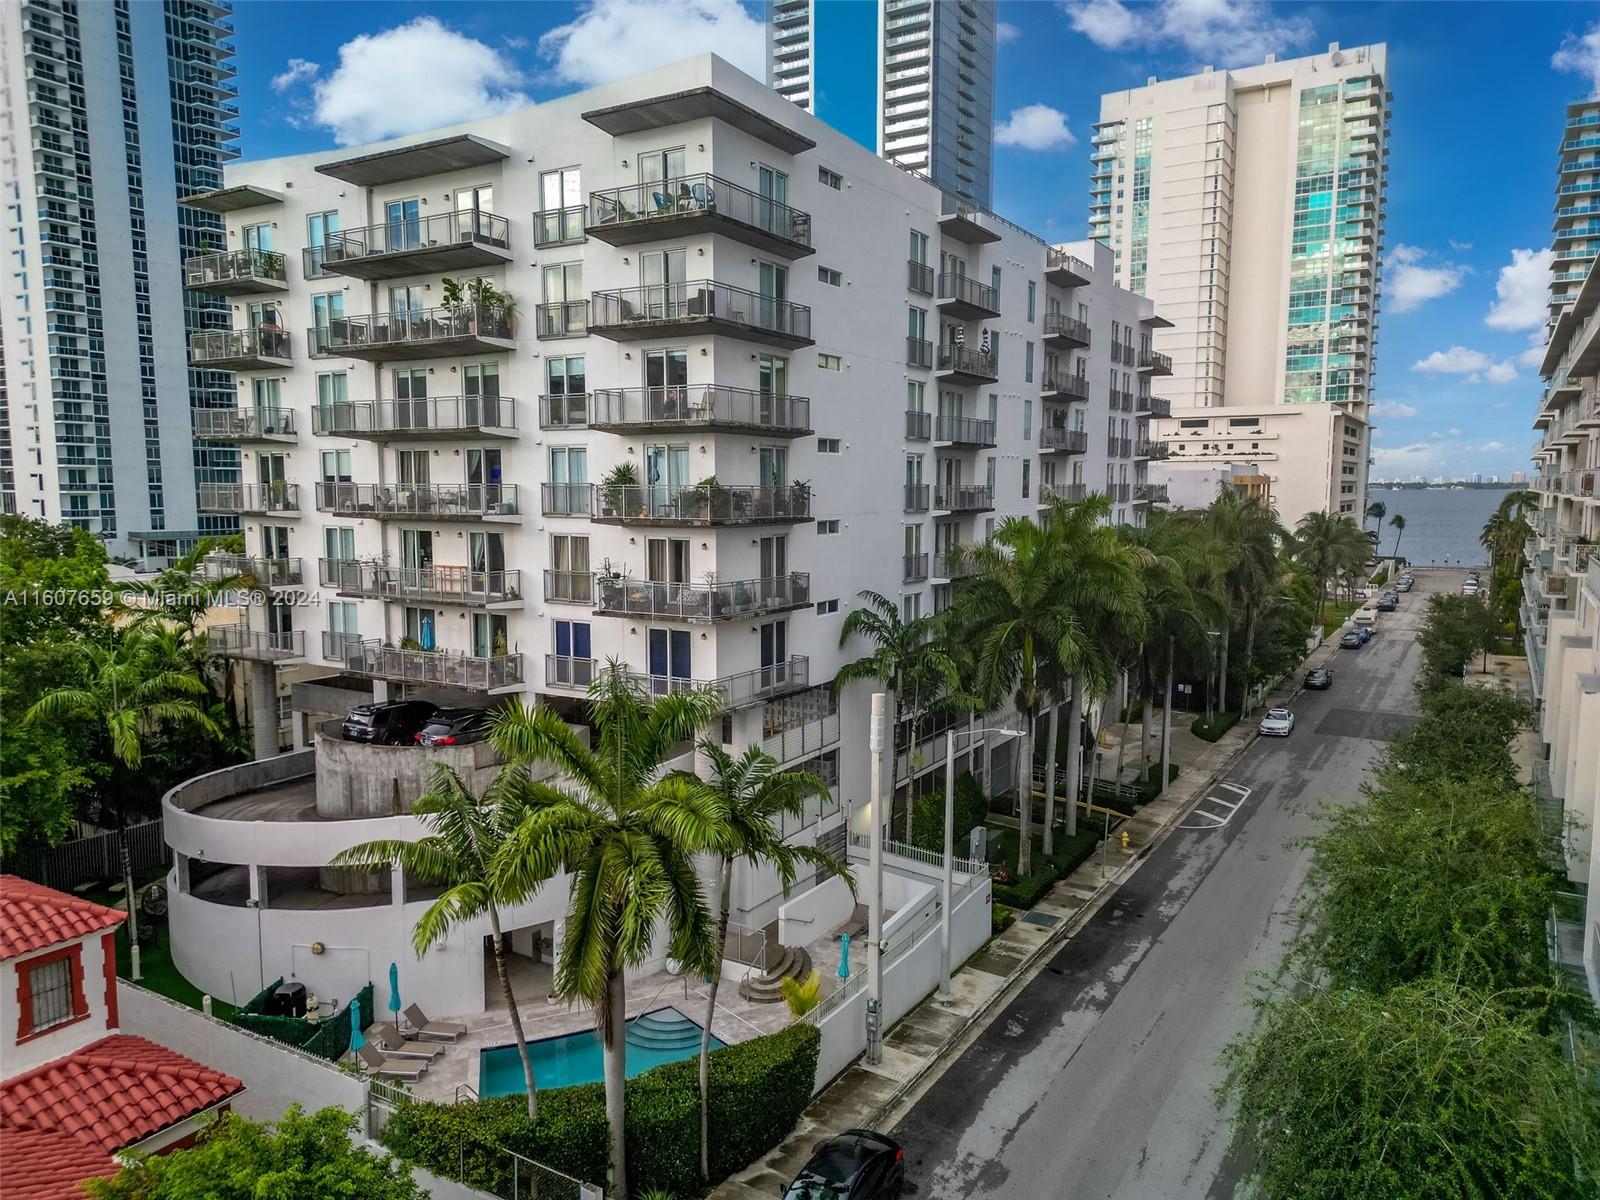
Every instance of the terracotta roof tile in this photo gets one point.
(107, 1096)
(34, 917)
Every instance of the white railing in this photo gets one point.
(931, 858)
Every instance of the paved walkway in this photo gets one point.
(924, 1041)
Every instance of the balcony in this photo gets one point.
(250, 499)
(1063, 493)
(559, 226)
(565, 499)
(565, 671)
(432, 418)
(1153, 406)
(240, 349)
(1153, 362)
(1150, 493)
(963, 497)
(245, 571)
(1061, 385)
(703, 306)
(695, 205)
(919, 278)
(919, 353)
(569, 587)
(967, 299)
(438, 668)
(705, 406)
(1064, 332)
(740, 690)
(919, 427)
(433, 584)
(448, 241)
(964, 431)
(569, 318)
(700, 504)
(964, 223)
(426, 333)
(914, 567)
(917, 497)
(1055, 440)
(236, 273)
(621, 596)
(1145, 448)
(564, 410)
(495, 502)
(959, 365)
(254, 645)
(1121, 401)
(244, 424)
(1064, 271)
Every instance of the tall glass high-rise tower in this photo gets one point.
(112, 112)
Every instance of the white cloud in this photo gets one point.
(1492, 448)
(1460, 247)
(1580, 54)
(416, 76)
(1534, 354)
(1005, 31)
(1521, 291)
(1418, 457)
(1394, 409)
(1411, 284)
(612, 39)
(1226, 33)
(298, 71)
(1034, 127)
(1477, 366)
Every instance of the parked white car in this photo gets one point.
(1279, 722)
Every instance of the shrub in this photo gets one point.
(328, 1039)
(1025, 891)
(1000, 918)
(1210, 731)
(759, 1089)
(927, 822)
(1149, 784)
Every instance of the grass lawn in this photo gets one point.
(1024, 892)
(1335, 613)
(161, 975)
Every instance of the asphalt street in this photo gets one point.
(1097, 1080)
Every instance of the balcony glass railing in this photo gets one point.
(700, 404)
(439, 230)
(231, 345)
(431, 414)
(565, 499)
(569, 587)
(919, 352)
(243, 424)
(441, 668)
(447, 584)
(231, 267)
(558, 227)
(914, 567)
(701, 504)
(919, 426)
(569, 318)
(419, 327)
(565, 671)
(696, 195)
(250, 497)
(699, 300)
(240, 641)
(438, 500)
(739, 690)
(918, 497)
(247, 570)
(919, 278)
(964, 361)
(564, 410)
(624, 596)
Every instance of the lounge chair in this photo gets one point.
(438, 1031)
(392, 1068)
(391, 1041)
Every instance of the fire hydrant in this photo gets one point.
(1125, 839)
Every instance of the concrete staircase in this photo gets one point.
(783, 962)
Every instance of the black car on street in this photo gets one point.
(858, 1164)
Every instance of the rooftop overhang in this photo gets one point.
(417, 160)
(1153, 321)
(678, 108)
(232, 199)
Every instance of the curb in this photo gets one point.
(1054, 941)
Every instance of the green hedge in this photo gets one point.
(1024, 892)
(1210, 731)
(759, 1089)
(328, 1038)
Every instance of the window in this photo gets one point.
(825, 528)
(827, 607)
(994, 280)
(830, 178)
(911, 607)
(830, 362)
(1027, 362)
(827, 445)
(1033, 297)
(919, 248)
(53, 989)
(1027, 471)
(1027, 420)
(829, 276)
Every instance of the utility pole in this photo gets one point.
(875, 740)
(949, 859)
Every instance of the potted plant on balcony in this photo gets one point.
(702, 500)
(798, 497)
(613, 488)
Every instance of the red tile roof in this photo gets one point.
(34, 917)
(109, 1095)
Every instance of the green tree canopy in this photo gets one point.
(298, 1157)
(1457, 627)
(53, 582)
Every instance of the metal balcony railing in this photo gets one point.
(442, 584)
(1072, 441)
(218, 347)
(236, 271)
(1069, 493)
(564, 410)
(628, 311)
(240, 641)
(963, 431)
(565, 671)
(247, 570)
(919, 426)
(1151, 449)
(1154, 360)
(442, 668)
(559, 226)
(244, 424)
(739, 690)
(1060, 325)
(628, 597)
(1155, 406)
(1058, 385)
(565, 499)
(968, 293)
(919, 278)
(700, 405)
(919, 352)
(569, 587)
(454, 228)
(437, 500)
(248, 498)
(1066, 268)
(568, 318)
(418, 328)
(672, 201)
(431, 414)
(963, 497)
(913, 567)
(335, 643)
(700, 504)
(964, 361)
(1151, 493)
(916, 498)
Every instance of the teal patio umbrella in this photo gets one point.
(394, 991)
(357, 1041)
(844, 956)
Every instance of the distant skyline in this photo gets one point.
(1480, 90)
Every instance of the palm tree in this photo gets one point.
(130, 691)
(1247, 533)
(1519, 502)
(627, 837)
(908, 658)
(463, 832)
(752, 796)
(1398, 524)
(1377, 510)
(1328, 545)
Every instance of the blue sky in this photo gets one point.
(1479, 88)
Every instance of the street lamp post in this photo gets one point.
(950, 838)
(875, 740)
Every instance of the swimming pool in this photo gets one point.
(662, 1035)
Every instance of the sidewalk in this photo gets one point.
(923, 1043)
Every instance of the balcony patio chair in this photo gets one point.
(394, 1044)
(663, 202)
(704, 197)
(390, 1068)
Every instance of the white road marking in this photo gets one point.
(1216, 810)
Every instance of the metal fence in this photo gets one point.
(92, 859)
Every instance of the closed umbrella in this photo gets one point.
(356, 1040)
(844, 956)
(394, 991)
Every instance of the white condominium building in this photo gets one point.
(1248, 204)
(109, 113)
(936, 64)
(1561, 591)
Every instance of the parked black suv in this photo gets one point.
(455, 727)
(392, 723)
